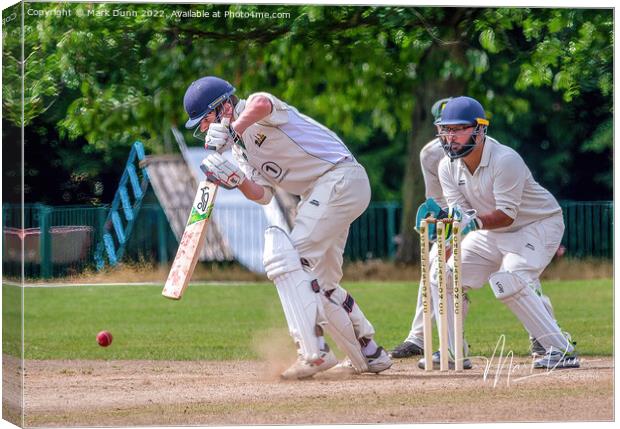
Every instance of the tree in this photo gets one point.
(370, 73)
(500, 56)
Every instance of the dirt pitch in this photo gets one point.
(126, 393)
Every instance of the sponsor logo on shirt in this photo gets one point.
(315, 203)
(461, 182)
(260, 138)
(530, 246)
(500, 287)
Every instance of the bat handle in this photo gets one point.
(226, 123)
(236, 137)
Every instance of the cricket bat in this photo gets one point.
(192, 241)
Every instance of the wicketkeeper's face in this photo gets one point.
(456, 135)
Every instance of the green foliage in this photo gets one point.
(488, 41)
(225, 322)
(602, 139)
(569, 50)
(95, 85)
(11, 65)
(601, 142)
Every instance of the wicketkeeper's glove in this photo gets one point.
(430, 208)
(467, 218)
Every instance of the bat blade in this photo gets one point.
(192, 241)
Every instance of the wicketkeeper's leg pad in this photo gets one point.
(299, 294)
(545, 299)
(530, 309)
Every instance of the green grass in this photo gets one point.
(221, 322)
(11, 320)
(583, 308)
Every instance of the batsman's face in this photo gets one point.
(207, 120)
(211, 117)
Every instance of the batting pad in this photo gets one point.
(302, 305)
(340, 328)
(530, 310)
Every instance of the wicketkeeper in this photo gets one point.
(276, 145)
(430, 156)
(516, 226)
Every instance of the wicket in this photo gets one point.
(442, 294)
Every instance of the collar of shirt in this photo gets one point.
(489, 145)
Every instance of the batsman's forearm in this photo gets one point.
(258, 107)
(495, 219)
(255, 192)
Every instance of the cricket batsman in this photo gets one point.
(516, 226)
(273, 145)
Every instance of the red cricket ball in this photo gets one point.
(104, 338)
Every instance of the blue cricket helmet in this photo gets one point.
(462, 111)
(203, 96)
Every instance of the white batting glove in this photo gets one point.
(221, 171)
(218, 138)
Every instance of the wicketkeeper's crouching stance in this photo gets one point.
(275, 145)
(516, 227)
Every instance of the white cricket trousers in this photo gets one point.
(525, 252)
(321, 229)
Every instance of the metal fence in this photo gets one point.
(60, 241)
(589, 229)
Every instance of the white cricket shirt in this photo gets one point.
(287, 148)
(502, 181)
(430, 156)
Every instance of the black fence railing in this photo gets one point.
(589, 228)
(60, 241)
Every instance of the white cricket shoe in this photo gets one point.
(557, 359)
(378, 362)
(304, 369)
